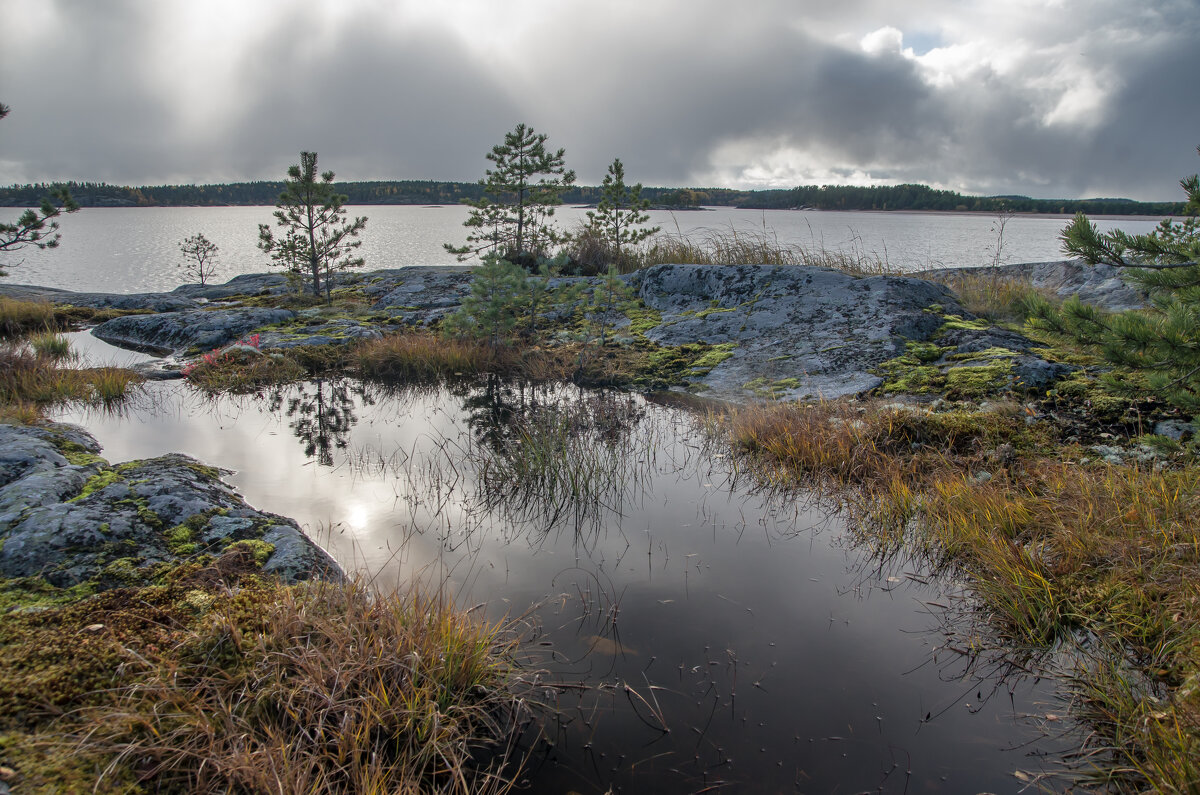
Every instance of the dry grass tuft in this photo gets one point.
(994, 296)
(422, 356)
(19, 318)
(320, 688)
(753, 247)
(239, 371)
(29, 379)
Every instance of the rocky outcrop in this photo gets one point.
(783, 331)
(798, 332)
(68, 516)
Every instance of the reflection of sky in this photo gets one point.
(739, 607)
(94, 352)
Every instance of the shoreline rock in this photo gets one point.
(70, 517)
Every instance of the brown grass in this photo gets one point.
(18, 318)
(753, 247)
(211, 677)
(240, 371)
(992, 295)
(29, 379)
(325, 688)
(422, 356)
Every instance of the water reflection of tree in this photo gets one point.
(544, 454)
(494, 407)
(322, 413)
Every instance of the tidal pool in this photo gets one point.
(726, 638)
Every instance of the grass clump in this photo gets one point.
(242, 371)
(20, 318)
(751, 247)
(29, 381)
(422, 357)
(998, 297)
(217, 678)
(325, 688)
(51, 346)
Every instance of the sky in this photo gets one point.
(1046, 98)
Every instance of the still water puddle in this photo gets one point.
(764, 653)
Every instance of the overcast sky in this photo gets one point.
(1049, 98)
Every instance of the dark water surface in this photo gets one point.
(779, 658)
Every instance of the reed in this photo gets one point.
(578, 458)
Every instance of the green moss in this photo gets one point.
(260, 550)
(984, 355)
(98, 482)
(957, 322)
(978, 381)
(712, 310)
(717, 354)
(912, 371)
(667, 366)
(123, 572)
(924, 352)
(772, 390)
(179, 537)
(35, 592)
(642, 319)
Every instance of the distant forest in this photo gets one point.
(424, 192)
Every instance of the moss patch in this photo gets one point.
(98, 482)
(976, 381)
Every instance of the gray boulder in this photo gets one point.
(176, 331)
(89, 521)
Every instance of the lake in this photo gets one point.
(126, 250)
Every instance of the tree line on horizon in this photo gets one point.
(434, 192)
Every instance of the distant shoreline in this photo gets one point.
(423, 193)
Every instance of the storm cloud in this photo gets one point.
(1066, 98)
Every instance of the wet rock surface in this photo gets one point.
(70, 517)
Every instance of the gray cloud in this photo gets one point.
(1082, 98)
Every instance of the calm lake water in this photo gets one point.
(780, 658)
(127, 250)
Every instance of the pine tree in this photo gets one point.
(1161, 342)
(317, 237)
(513, 218)
(619, 214)
(35, 227)
(199, 256)
(493, 306)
